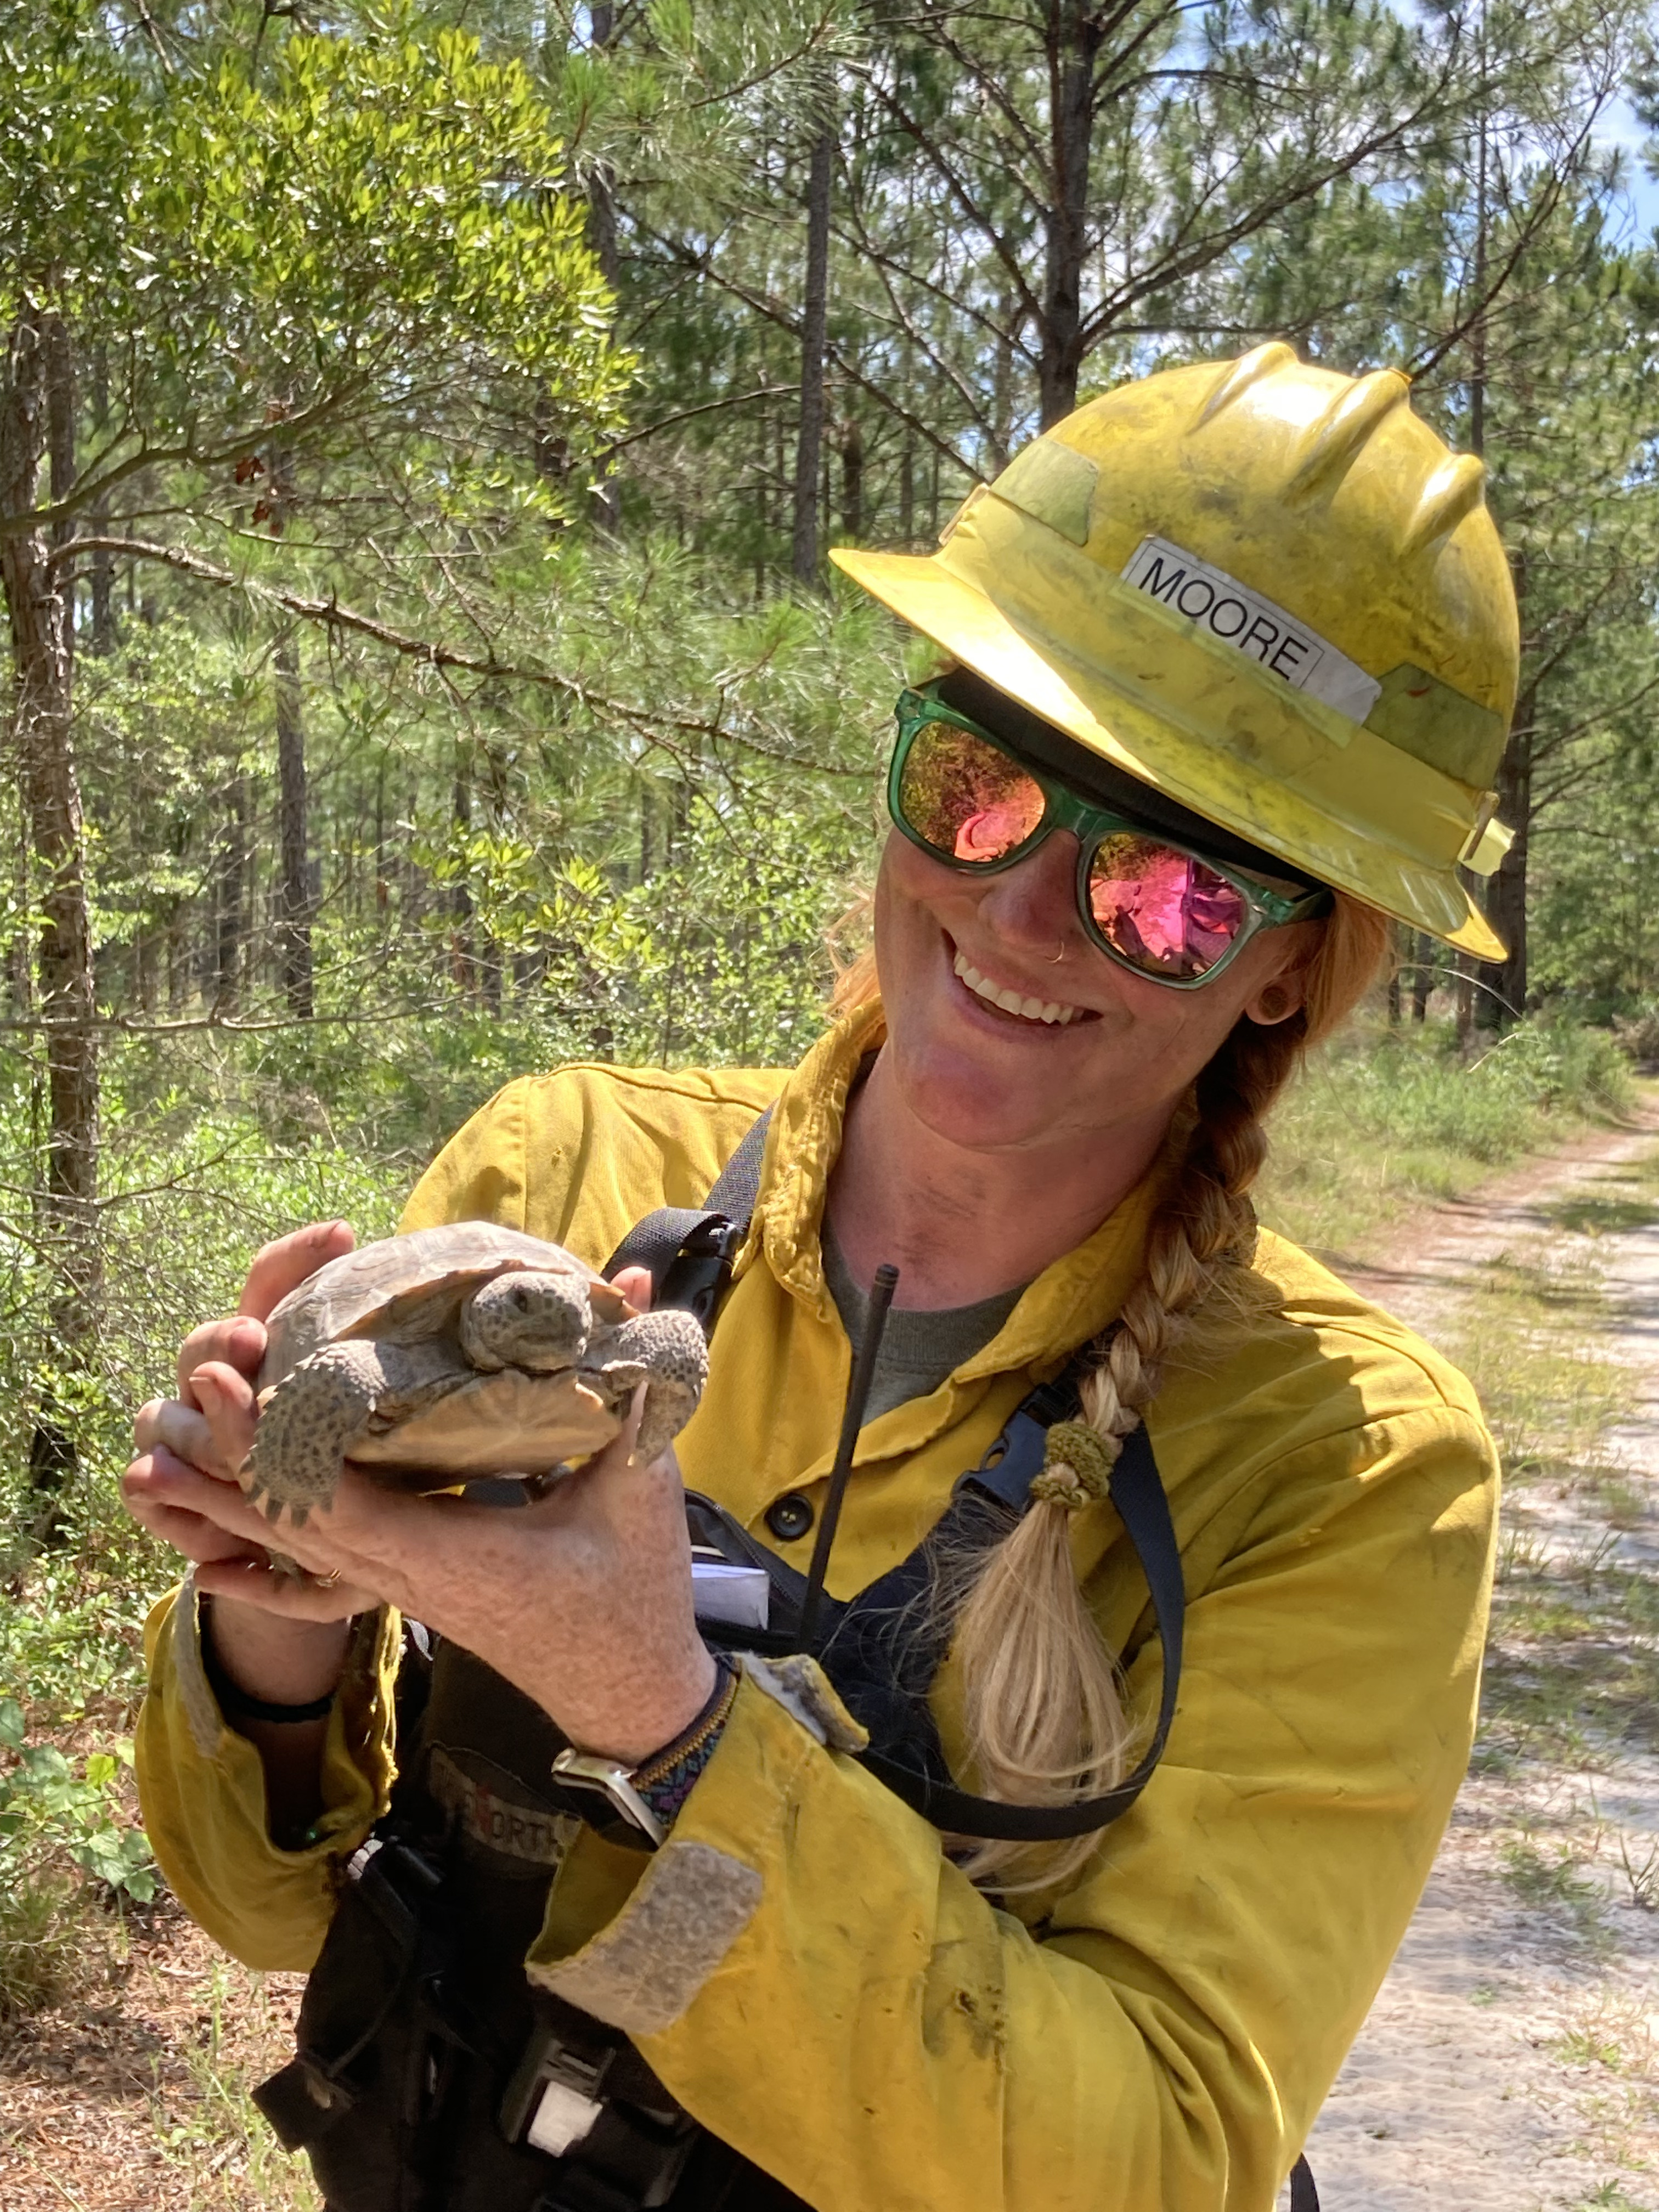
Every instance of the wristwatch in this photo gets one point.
(589, 1770)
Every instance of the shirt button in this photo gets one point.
(790, 1517)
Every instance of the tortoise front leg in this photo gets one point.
(668, 1352)
(308, 1425)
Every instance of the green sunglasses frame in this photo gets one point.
(1092, 826)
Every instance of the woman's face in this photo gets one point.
(993, 1081)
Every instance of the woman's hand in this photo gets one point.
(277, 1639)
(212, 1423)
(583, 1600)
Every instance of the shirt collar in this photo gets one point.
(1072, 1301)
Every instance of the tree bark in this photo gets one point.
(103, 564)
(294, 903)
(815, 311)
(602, 237)
(37, 420)
(1423, 974)
(464, 962)
(231, 900)
(851, 479)
(1072, 36)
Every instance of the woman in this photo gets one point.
(1231, 656)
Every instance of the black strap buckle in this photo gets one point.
(583, 2096)
(699, 1276)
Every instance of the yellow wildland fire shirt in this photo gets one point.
(801, 1964)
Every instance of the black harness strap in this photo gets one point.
(690, 1249)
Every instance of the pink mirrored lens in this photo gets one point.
(1165, 912)
(965, 798)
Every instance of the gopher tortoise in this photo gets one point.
(454, 1353)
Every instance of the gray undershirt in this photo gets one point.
(918, 1349)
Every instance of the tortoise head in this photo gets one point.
(526, 1318)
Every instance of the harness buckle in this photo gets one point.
(699, 1276)
(557, 2094)
(563, 2118)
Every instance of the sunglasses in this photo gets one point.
(1157, 907)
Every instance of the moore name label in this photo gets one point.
(1243, 619)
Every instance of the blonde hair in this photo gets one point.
(1044, 1717)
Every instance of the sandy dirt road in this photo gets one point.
(1511, 2061)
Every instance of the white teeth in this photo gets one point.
(1030, 1010)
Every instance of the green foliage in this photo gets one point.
(46, 1801)
(1388, 1117)
(56, 1814)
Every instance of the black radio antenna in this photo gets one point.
(852, 1420)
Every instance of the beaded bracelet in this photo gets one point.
(665, 1780)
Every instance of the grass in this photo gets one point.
(1390, 1119)
(215, 2132)
(48, 1933)
(1554, 1878)
(1572, 1673)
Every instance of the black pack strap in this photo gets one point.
(690, 1249)
(1304, 2198)
(1138, 1494)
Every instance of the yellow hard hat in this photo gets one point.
(1271, 592)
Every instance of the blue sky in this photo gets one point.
(1642, 193)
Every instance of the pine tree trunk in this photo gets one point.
(464, 962)
(231, 889)
(103, 564)
(852, 480)
(1073, 37)
(1423, 975)
(602, 237)
(294, 904)
(37, 419)
(814, 308)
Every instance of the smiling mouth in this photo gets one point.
(1050, 1011)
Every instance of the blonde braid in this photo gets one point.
(1044, 1718)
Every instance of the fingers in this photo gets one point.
(156, 1503)
(283, 1265)
(257, 1583)
(160, 1477)
(180, 1430)
(229, 1415)
(211, 1426)
(238, 1344)
(634, 1284)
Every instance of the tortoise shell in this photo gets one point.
(408, 1289)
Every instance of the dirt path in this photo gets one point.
(1511, 2061)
